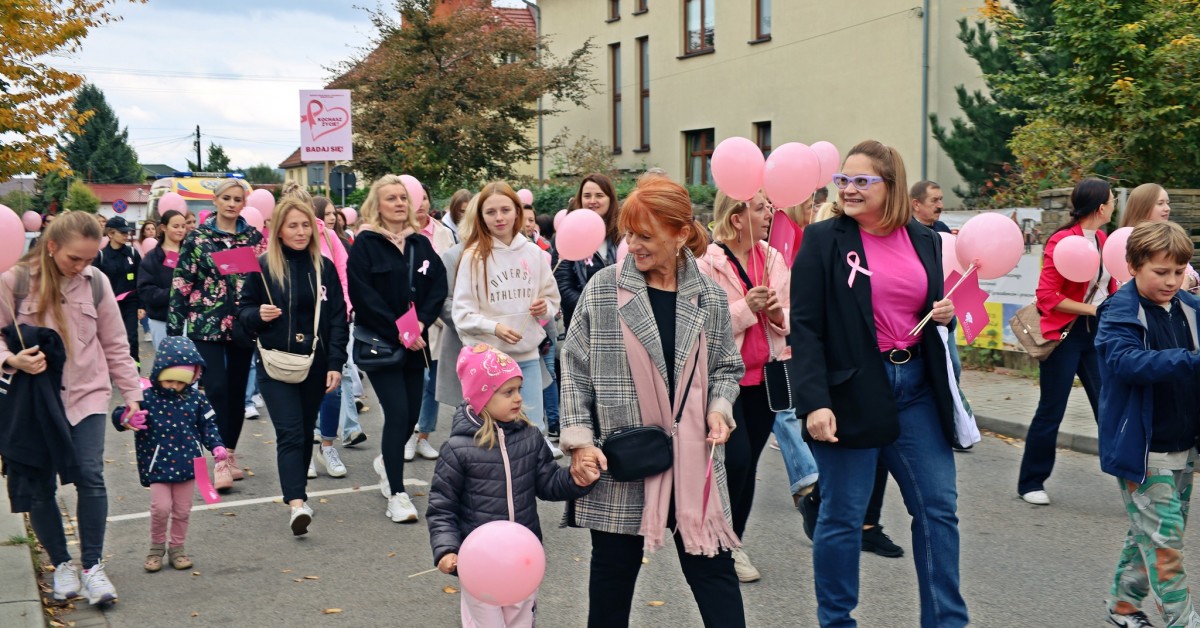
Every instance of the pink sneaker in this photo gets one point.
(222, 478)
(235, 471)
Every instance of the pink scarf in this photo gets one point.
(703, 533)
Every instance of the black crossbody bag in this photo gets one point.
(373, 352)
(638, 452)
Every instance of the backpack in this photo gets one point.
(21, 288)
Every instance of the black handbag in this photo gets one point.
(638, 452)
(373, 352)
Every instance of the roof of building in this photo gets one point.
(292, 161)
(152, 170)
(26, 184)
(519, 17)
(128, 192)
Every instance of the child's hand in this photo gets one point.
(448, 563)
(135, 421)
(220, 454)
(589, 473)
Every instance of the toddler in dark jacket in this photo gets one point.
(494, 467)
(174, 422)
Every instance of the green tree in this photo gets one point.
(451, 99)
(978, 142)
(217, 160)
(50, 190)
(262, 173)
(80, 198)
(100, 152)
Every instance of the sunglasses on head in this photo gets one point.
(861, 182)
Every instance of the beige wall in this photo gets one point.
(835, 71)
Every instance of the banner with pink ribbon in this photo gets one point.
(325, 131)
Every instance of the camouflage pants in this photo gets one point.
(1152, 558)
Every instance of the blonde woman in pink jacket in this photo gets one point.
(56, 288)
(757, 282)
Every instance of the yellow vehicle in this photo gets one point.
(195, 187)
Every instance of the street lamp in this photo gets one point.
(537, 20)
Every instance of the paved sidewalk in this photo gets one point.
(20, 602)
(1005, 404)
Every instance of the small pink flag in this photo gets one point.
(171, 260)
(121, 297)
(783, 237)
(203, 482)
(236, 261)
(409, 327)
(969, 304)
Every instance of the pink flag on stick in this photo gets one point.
(171, 260)
(237, 261)
(121, 297)
(409, 327)
(783, 237)
(969, 304)
(203, 482)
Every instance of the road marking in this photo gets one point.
(267, 500)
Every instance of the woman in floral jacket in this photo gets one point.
(204, 303)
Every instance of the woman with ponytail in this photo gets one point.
(677, 359)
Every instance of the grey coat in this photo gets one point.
(471, 486)
(449, 388)
(596, 379)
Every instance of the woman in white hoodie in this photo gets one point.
(504, 290)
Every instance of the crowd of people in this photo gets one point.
(680, 340)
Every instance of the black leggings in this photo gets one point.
(399, 392)
(293, 409)
(226, 373)
(130, 320)
(754, 424)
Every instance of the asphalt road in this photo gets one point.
(1020, 564)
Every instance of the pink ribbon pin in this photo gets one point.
(855, 268)
(424, 269)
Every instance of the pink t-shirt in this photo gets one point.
(899, 288)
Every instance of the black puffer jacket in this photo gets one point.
(154, 284)
(470, 487)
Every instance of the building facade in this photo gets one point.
(676, 77)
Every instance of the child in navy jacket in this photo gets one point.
(1150, 419)
(175, 420)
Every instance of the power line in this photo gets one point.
(216, 76)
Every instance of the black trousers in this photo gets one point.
(226, 373)
(754, 424)
(130, 320)
(294, 409)
(616, 561)
(399, 392)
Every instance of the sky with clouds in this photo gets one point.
(234, 68)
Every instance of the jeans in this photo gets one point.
(427, 422)
(550, 391)
(130, 319)
(922, 462)
(331, 414)
(1074, 355)
(348, 418)
(226, 373)
(158, 331)
(399, 391)
(251, 384)
(92, 507)
(797, 457)
(754, 420)
(616, 561)
(531, 391)
(293, 409)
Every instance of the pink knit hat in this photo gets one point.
(483, 369)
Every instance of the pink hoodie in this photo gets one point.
(338, 256)
(99, 351)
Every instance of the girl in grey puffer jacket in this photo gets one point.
(494, 467)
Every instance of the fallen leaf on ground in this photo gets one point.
(286, 571)
(645, 561)
(391, 554)
(297, 579)
(229, 514)
(312, 577)
(355, 487)
(268, 442)
(107, 461)
(258, 435)
(656, 603)
(578, 559)
(195, 573)
(249, 473)
(449, 589)
(323, 501)
(195, 614)
(331, 611)
(415, 494)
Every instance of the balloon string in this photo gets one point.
(921, 325)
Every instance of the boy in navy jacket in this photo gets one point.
(1150, 419)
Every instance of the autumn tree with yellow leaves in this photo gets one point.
(35, 97)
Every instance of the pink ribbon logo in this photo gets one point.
(424, 269)
(855, 268)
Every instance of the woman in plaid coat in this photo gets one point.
(650, 340)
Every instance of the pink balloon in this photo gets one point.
(416, 193)
(501, 563)
(830, 160)
(622, 251)
(791, 174)
(992, 242)
(1114, 254)
(1076, 258)
(580, 235)
(204, 214)
(12, 238)
(737, 168)
(526, 196)
(32, 221)
(253, 217)
(263, 201)
(351, 215)
(169, 201)
(949, 259)
(148, 245)
(558, 218)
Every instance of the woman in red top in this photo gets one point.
(1062, 302)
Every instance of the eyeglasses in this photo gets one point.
(861, 182)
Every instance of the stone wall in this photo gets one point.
(1185, 210)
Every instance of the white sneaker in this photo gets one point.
(312, 469)
(252, 412)
(66, 581)
(301, 517)
(554, 450)
(425, 450)
(384, 487)
(332, 463)
(410, 448)
(400, 508)
(1037, 498)
(95, 586)
(741, 564)
(1136, 620)
(257, 400)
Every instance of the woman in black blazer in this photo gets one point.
(859, 285)
(386, 254)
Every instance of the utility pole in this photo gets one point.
(537, 12)
(199, 166)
